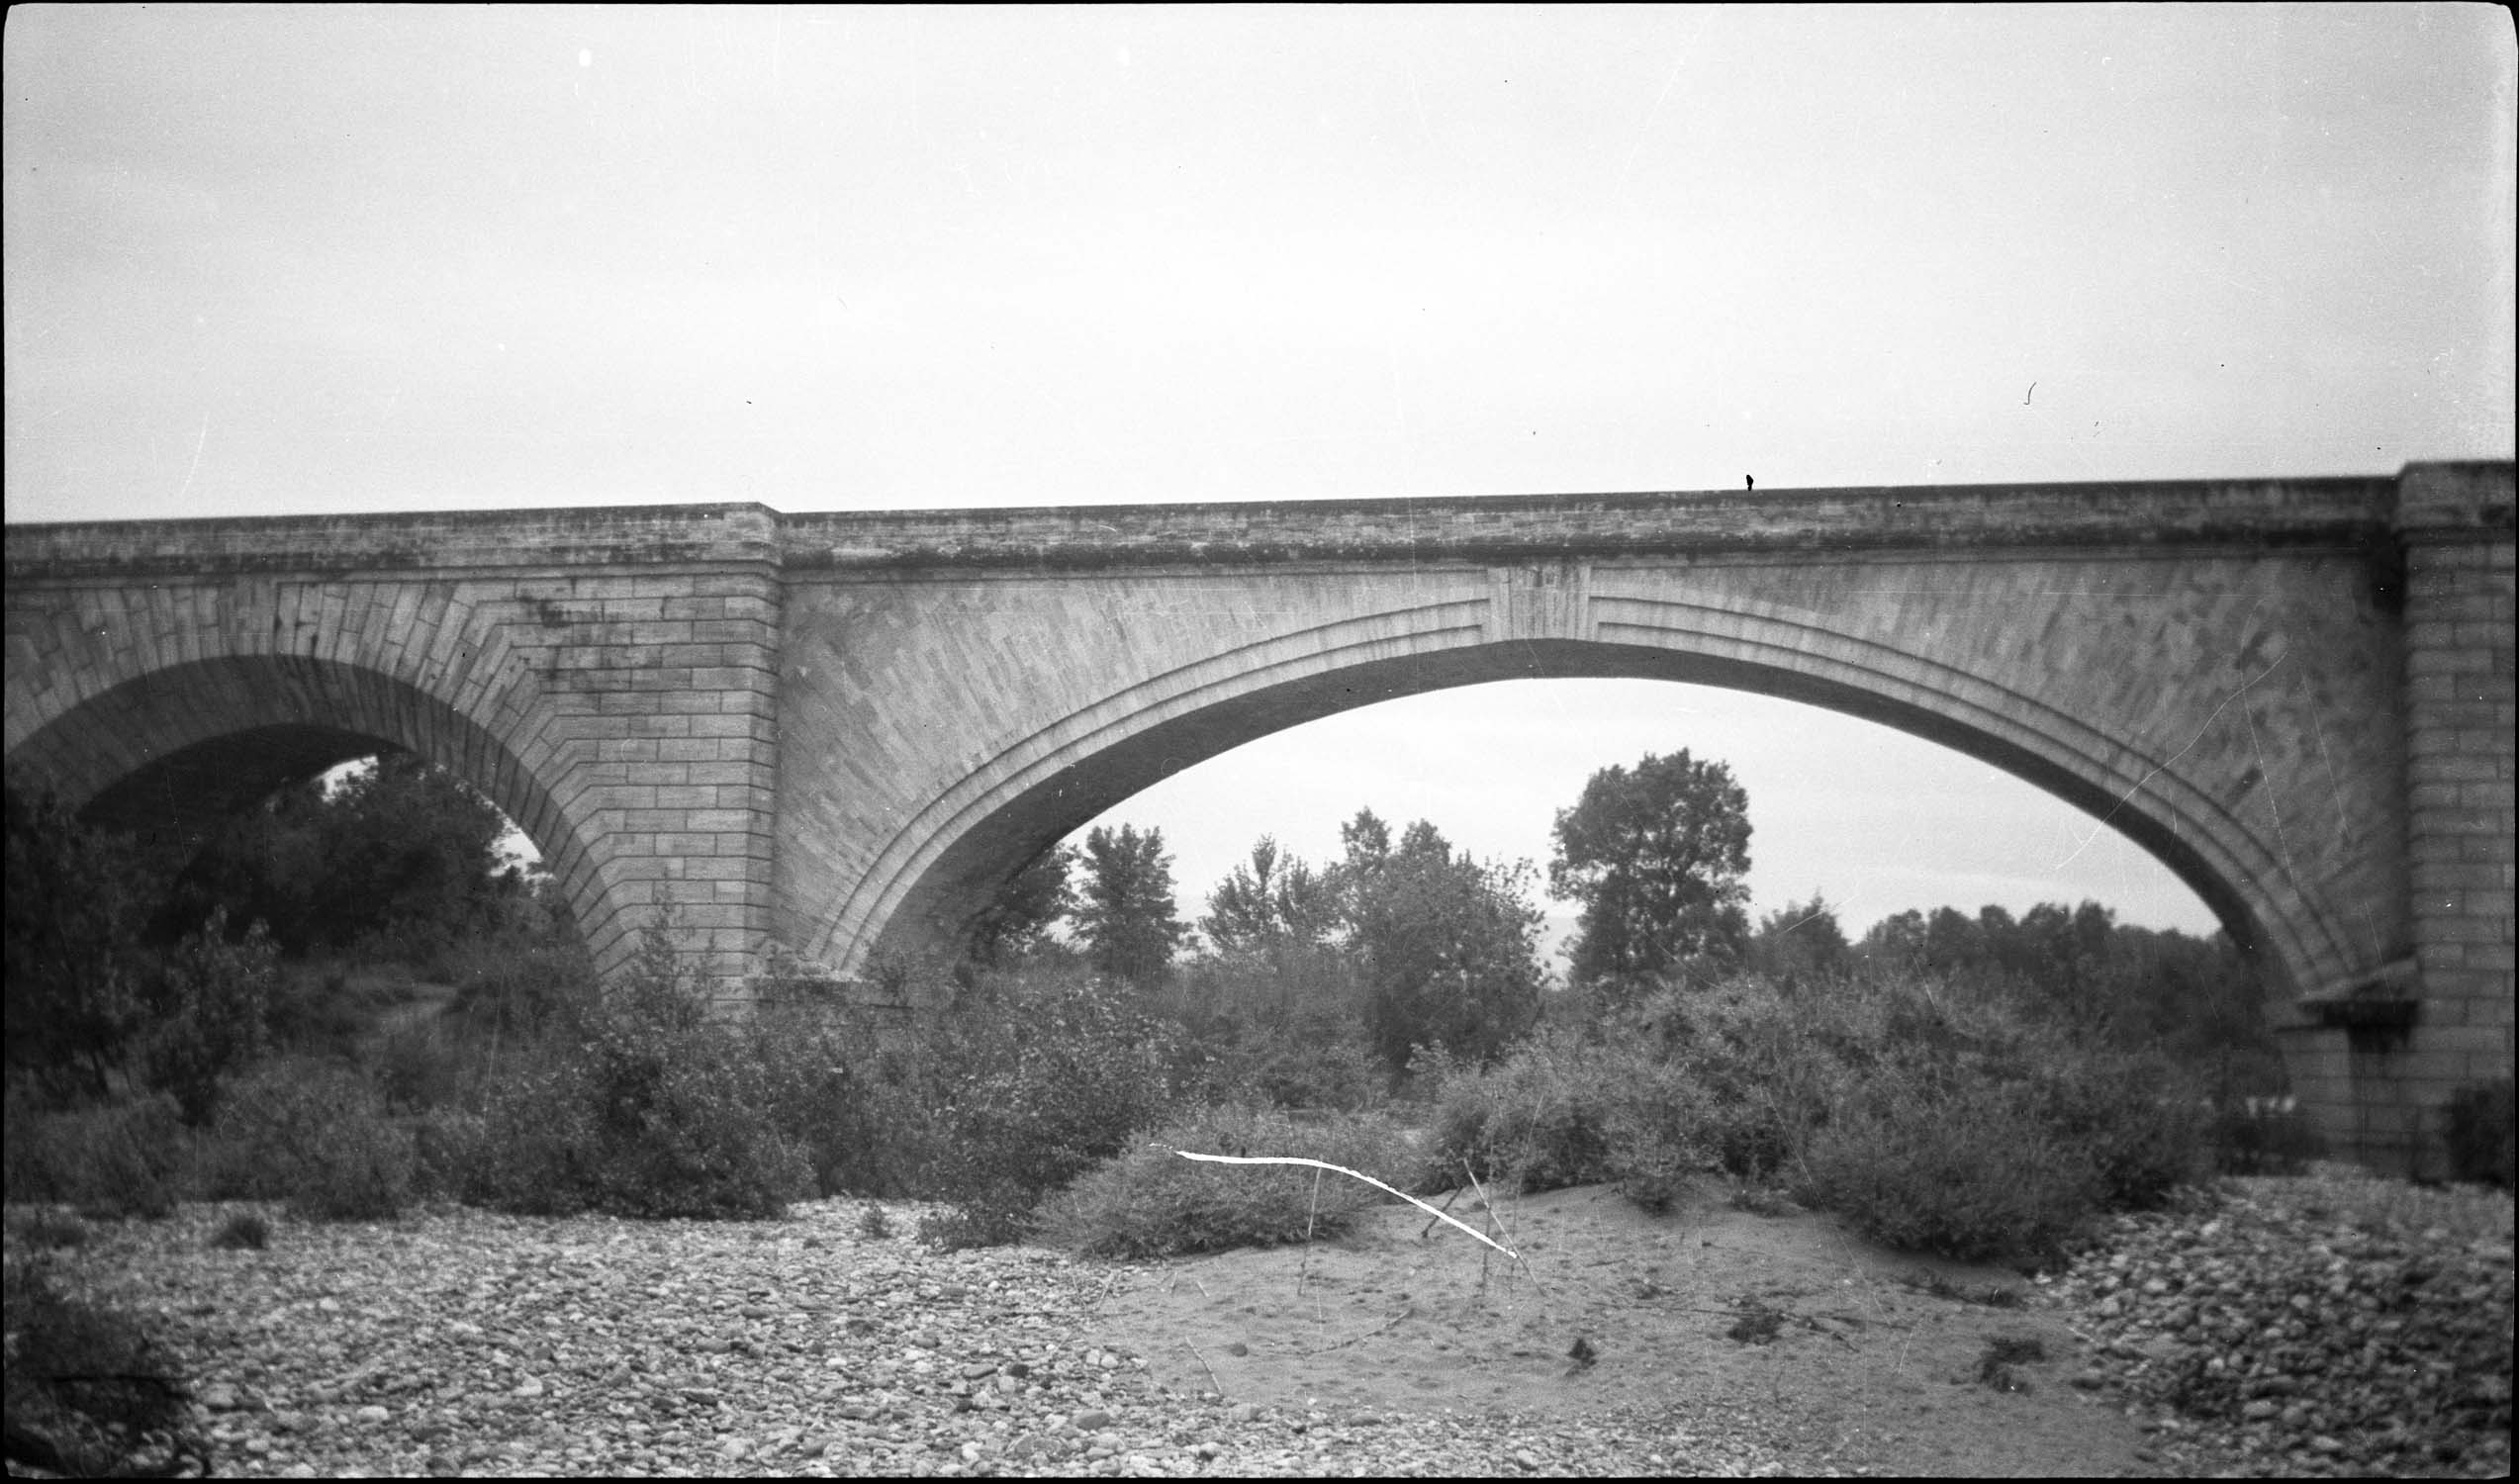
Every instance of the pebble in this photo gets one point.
(492, 1346)
(2270, 1335)
(486, 1345)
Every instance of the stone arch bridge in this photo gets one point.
(843, 732)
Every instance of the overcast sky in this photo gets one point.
(339, 258)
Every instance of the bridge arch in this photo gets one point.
(945, 862)
(165, 740)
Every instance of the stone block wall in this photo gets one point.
(2456, 524)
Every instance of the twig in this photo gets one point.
(1217, 1386)
(1368, 1334)
(1303, 1268)
(1437, 1216)
(1350, 1173)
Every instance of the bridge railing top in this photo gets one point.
(2329, 511)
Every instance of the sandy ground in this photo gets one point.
(1861, 1369)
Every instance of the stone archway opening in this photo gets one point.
(1002, 833)
(1875, 820)
(169, 757)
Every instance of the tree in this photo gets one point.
(1801, 939)
(404, 855)
(1018, 923)
(1896, 942)
(1449, 945)
(1656, 857)
(76, 906)
(1127, 915)
(1276, 901)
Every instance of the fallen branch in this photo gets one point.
(1350, 1173)
(1217, 1385)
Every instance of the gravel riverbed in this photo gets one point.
(2269, 1327)
(2332, 1325)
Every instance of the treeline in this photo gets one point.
(1314, 978)
(1403, 968)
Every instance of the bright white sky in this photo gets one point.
(339, 258)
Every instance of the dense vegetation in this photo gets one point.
(347, 1005)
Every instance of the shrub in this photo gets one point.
(1148, 1202)
(85, 1392)
(213, 1000)
(1967, 1172)
(2003, 1352)
(1527, 1122)
(1766, 1062)
(1037, 1077)
(313, 1134)
(633, 1103)
(1563, 1109)
(120, 1159)
(2140, 1125)
(418, 1067)
(854, 1111)
(516, 986)
(245, 1231)
(2479, 1134)
(314, 1010)
(2261, 1137)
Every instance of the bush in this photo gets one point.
(517, 986)
(1036, 1078)
(86, 1395)
(421, 1066)
(1945, 1115)
(1283, 1027)
(1564, 1109)
(121, 1160)
(319, 1010)
(316, 1135)
(635, 1104)
(854, 1111)
(1149, 1202)
(245, 1231)
(1528, 1122)
(2140, 1123)
(213, 1000)
(1766, 1062)
(2479, 1134)
(1970, 1171)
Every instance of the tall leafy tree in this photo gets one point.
(1448, 944)
(1126, 914)
(1274, 902)
(1657, 858)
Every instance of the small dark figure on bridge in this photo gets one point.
(1753, 482)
